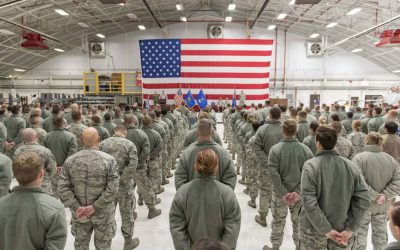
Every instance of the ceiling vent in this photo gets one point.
(307, 1)
(97, 49)
(314, 49)
(34, 41)
(113, 1)
(215, 31)
(389, 38)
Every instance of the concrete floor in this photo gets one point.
(154, 234)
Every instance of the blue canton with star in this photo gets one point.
(160, 58)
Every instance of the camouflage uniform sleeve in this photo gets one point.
(65, 188)
(157, 147)
(3, 136)
(273, 166)
(51, 163)
(110, 192)
(130, 170)
(145, 148)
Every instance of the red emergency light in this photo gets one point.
(34, 41)
(389, 38)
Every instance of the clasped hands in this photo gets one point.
(83, 213)
(291, 198)
(341, 238)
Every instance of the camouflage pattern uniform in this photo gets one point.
(171, 141)
(6, 174)
(14, 125)
(77, 130)
(3, 136)
(225, 121)
(90, 177)
(358, 141)
(253, 167)
(239, 147)
(175, 141)
(48, 160)
(142, 180)
(243, 130)
(344, 147)
(267, 136)
(160, 129)
(375, 123)
(41, 133)
(125, 153)
(164, 152)
(154, 169)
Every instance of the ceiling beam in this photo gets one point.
(152, 14)
(259, 13)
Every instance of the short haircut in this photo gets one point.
(369, 111)
(58, 121)
(358, 109)
(127, 108)
(378, 110)
(255, 125)
(120, 127)
(283, 108)
(335, 117)
(391, 127)
(147, 120)
(317, 107)
(207, 162)
(204, 115)
(164, 111)
(327, 108)
(152, 115)
(337, 107)
(289, 127)
(326, 136)
(394, 214)
(96, 119)
(314, 126)
(205, 127)
(293, 112)
(209, 244)
(56, 109)
(26, 167)
(302, 114)
(76, 115)
(2, 111)
(158, 113)
(356, 125)
(267, 102)
(130, 119)
(275, 113)
(337, 126)
(349, 115)
(107, 116)
(15, 109)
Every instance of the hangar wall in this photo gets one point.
(338, 76)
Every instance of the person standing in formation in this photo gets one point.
(88, 186)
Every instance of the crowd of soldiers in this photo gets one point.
(336, 172)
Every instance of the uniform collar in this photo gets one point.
(327, 152)
(28, 189)
(116, 135)
(289, 140)
(373, 148)
(273, 122)
(204, 176)
(131, 126)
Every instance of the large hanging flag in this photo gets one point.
(234, 99)
(213, 65)
(201, 100)
(189, 99)
(178, 98)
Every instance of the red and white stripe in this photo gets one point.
(219, 66)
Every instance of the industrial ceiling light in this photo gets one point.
(228, 19)
(101, 36)
(353, 11)
(183, 19)
(271, 27)
(396, 71)
(61, 12)
(141, 27)
(131, 16)
(6, 32)
(232, 6)
(356, 50)
(315, 35)
(179, 7)
(59, 50)
(292, 2)
(331, 25)
(83, 25)
(282, 16)
(19, 70)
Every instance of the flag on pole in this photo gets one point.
(201, 100)
(178, 98)
(213, 65)
(234, 100)
(189, 99)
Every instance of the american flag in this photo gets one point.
(214, 65)
(178, 98)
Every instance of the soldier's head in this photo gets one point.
(337, 126)
(373, 138)
(391, 115)
(275, 113)
(377, 111)
(90, 138)
(107, 117)
(56, 109)
(130, 120)
(302, 115)
(370, 112)
(96, 120)
(121, 130)
(42, 104)
(336, 107)
(58, 121)
(134, 107)
(127, 108)
(147, 121)
(152, 115)
(322, 119)
(394, 220)
(289, 128)
(335, 117)
(349, 115)
(391, 127)
(283, 108)
(36, 112)
(204, 115)
(204, 129)
(158, 113)
(251, 117)
(313, 127)
(206, 162)
(28, 169)
(293, 113)
(164, 111)
(327, 108)
(29, 135)
(36, 120)
(317, 107)
(358, 109)
(76, 115)
(326, 138)
(255, 125)
(15, 109)
(356, 125)
(74, 106)
(117, 113)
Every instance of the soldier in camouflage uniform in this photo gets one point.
(253, 167)
(174, 152)
(68, 115)
(6, 174)
(384, 185)
(357, 138)
(225, 121)
(343, 146)
(30, 139)
(141, 178)
(3, 137)
(267, 136)
(246, 127)
(124, 151)
(14, 124)
(88, 186)
(171, 127)
(118, 117)
(108, 124)
(285, 163)
(103, 132)
(37, 126)
(164, 153)
(62, 144)
(77, 127)
(48, 122)
(156, 142)
(137, 113)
